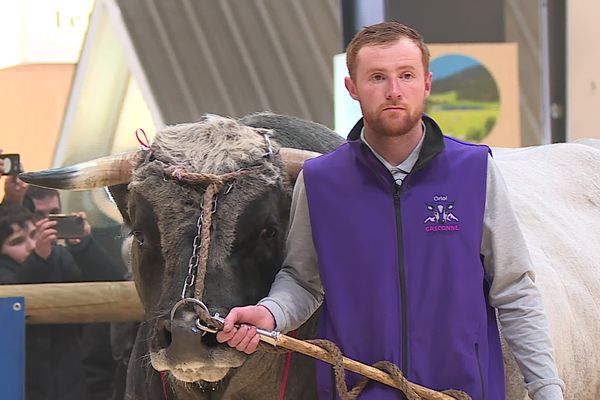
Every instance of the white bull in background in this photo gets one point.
(555, 192)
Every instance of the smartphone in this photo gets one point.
(67, 226)
(12, 164)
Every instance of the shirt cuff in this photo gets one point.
(549, 392)
(277, 311)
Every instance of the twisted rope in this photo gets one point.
(214, 184)
(340, 375)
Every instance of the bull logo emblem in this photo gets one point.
(441, 214)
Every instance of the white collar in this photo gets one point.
(405, 166)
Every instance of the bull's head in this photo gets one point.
(163, 211)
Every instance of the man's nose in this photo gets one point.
(394, 89)
(30, 244)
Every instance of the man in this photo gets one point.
(411, 238)
(95, 265)
(91, 257)
(53, 364)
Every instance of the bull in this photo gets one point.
(162, 206)
(165, 212)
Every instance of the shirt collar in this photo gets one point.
(405, 166)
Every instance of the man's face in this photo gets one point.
(391, 85)
(46, 205)
(21, 243)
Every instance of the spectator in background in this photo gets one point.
(98, 362)
(53, 354)
(88, 261)
(86, 251)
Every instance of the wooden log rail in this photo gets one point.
(79, 302)
(85, 302)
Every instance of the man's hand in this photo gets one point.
(14, 189)
(45, 237)
(87, 229)
(245, 337)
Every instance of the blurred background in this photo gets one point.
(78, 77)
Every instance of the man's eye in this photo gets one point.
(17, 241)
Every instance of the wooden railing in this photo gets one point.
(77, 302)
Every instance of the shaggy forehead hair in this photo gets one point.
(214, 144)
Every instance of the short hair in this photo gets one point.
(10, 214)
(37, 192)
(381, 34)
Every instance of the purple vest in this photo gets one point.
(402, 270)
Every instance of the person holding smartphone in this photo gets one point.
(94, 264)
(79, 258)
(53, 353)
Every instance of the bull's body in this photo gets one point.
(554, 191)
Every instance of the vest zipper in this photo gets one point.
(401, 272)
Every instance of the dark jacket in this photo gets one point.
(53, 361)
(98, 362)
(54, 364)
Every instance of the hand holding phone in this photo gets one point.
(68, 226)
(45, 237)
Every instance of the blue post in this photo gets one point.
(12, 348)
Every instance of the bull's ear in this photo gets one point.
(120, 195)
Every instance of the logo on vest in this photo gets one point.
(442, 217)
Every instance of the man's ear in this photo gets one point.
(351, 87)
(428, 81)
(120, 195)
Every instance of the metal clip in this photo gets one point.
(271, 337)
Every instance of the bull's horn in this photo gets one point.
(104, 171)
(294, 159)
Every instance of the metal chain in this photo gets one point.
(190, 279)
(193, 263)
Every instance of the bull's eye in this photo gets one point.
(138, 236)
(268, 232)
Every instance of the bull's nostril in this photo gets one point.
(163, 334)
(210, 340)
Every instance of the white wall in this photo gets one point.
(42, 31)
